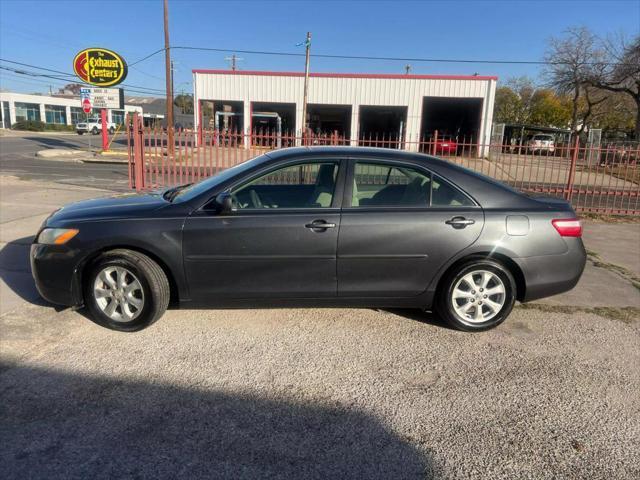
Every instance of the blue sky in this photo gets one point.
(49, 33)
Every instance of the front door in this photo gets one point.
(279, 241)
(401, 226)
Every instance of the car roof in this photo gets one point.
(487, 191)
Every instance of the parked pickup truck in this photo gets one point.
(94, 126)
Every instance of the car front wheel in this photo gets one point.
(125, 290)
(477, 295)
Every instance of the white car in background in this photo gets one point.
(94, 126)
(541, 143)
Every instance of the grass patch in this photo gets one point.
(604, 218)
(625, 273)
(626, 315)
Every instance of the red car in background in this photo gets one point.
(446, 146)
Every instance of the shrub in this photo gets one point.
(30, 125)
(54, 127)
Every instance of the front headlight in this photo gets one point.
(56, 236)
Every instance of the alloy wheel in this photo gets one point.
(478, 296)
(118, 293)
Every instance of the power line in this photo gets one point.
(42, 75)
(145, 58)
(371, 57)
(71, 76)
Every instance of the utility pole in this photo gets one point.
(169, 80)
(306, 86)
(233, 61)
(407, 69)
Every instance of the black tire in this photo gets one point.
(150, 275)
(94, 131)
(111, 131)
(80, 133)
(444, 305)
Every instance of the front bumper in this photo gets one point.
(553, 274)
(55, 272)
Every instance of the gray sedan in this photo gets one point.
(322, 226)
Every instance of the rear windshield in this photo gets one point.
(543, 137)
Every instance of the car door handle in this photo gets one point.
(460, 222)
(320, 225)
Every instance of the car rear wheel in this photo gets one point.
(95, 130)
(126, 290)
(477, 295)
(111, 130)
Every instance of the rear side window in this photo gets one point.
(376, 184)
(394, 185)
(445, 195)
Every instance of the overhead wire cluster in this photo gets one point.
(59, 75)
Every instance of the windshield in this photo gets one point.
(189, 192)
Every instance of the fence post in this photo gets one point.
(435, 142)
(572, 169)
(138, 152)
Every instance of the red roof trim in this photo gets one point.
(396, 76)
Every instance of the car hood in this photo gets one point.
(117, 206)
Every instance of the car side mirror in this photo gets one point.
(224, 202)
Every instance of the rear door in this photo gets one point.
(279, 241)
(400, 224)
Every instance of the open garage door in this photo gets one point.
(273, 124)
(382, 126)
(329, 124)
(262, 122)
(453, 118)
(222, 115)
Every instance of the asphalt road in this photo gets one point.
(28, 143)
(17, 158)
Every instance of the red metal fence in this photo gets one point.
(594, 179)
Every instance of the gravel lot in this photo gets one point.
(313, 393)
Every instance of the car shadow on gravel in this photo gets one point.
(15, 270)
(68, 425)
(430, 318)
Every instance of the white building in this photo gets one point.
(353, 106)
(50, 109)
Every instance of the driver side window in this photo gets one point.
(303, 185)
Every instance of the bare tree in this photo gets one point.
(617, 69)
(568, 63)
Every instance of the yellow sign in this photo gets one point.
(100, 67)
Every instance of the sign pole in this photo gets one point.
(105, 134)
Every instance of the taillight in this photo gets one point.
(568, 227)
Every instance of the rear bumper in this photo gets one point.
(553, 274)
(54, 270)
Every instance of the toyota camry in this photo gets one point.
(319, 226)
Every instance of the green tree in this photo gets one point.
(513, 101)
(549, 109)
(185, 103)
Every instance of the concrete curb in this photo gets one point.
(112, 161)
(81, 156)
